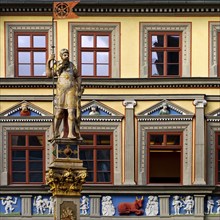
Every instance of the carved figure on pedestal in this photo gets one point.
(68, 95)
(84, 206)
(152, 206)
(189, 205)
(125, 208)
(8, 202)
(108, 208)
(210, 205)
(177, 204)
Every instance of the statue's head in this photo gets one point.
(62, 51)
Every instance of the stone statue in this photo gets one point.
(24, 110)
(152, 207)
(164, 110)
(84, 206)
(8, 202)
(68, 95)
(108, 208)
(218, 206)
(177, 204)
(40, 204)
(189, 205)
(210, 205)
(94, 110)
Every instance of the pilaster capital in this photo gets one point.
(200, 103)
(129, 104)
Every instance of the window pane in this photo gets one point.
(87, 57)
(86, 154)
(173, 57)
(103, 166)
(103, 177)
(39, 41)
(18, 140)
(24, 70)
(39, 70)
(157, 40)
(102, 70)
(102, 57)
(87, 70)
(90, 177)
(156, 139)
(24, 57)
(39, 57)
(18, 155)
(36, 177)
(35, 155)
(103, 41)
(35, 166)
(88, 165)
(218, 140)
(24, 41)
(173, 139)
(103, 139)
(87, 139)
(35, 140)
(173, 69)
(173, 41)
(103, 154)
(18, 177)
(157, 57)
(157, 69)
(87, 41)
(19, 166)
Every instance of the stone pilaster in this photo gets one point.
(26, 205)
(200, 142)
(95, 205)
(129, 142)
(164, 205)
(199, 205)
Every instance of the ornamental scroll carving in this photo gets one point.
(65, 181)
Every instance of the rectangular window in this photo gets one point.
(30, 54)
(165, 54)
(218, 62)
(95, 54)
(96, 154)
(217, 143)
(164, 157)
(26, 158)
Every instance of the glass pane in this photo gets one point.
(39, 41)
(173, 69)
(39, 70)
(103, 177)
(18, 155)
(87, 41)
(24, 57)
(18, 166)
(86, 154)
(102, 70)
(35, 166)
(157, 57)
(87, 139)
(89, 177)
(103, 139)
(157, 40)
(173, 57)
(24, 70)
(88, 165)
(173, 139)
(218, 140)
(35, 140)
(157, 69)
(173, 41)
(103, 166)
(103, 154)
(219, 166)
(156, 139)
(87, 57)
(35, 155)
(24, 41)
(18, 140)
(39, 57)
(36, 177)
(102, 57)
(219, 155)
(87, 70)
(18, 177)
(103, 41)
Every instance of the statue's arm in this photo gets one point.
(50, 66)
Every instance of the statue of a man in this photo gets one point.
(68, 95)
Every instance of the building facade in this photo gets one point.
(150, 107)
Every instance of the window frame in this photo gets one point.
(217, 160)
(218, 58)
(94, 147)
(165, 49)
(164, 147)
(27, 149)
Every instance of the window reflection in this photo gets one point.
(87, 41)
(39, 41)
(24, 41)
(102, 41)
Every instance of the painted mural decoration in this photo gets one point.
(126, 208)
(84, 205)
(43, 206)
(108, 208)
(8, 202)
(152, 207)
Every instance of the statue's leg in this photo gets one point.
(57, 121)
(71, 123)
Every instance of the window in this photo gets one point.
(96, 153)
(164, 157)
(30, 54)
(165, 54)
(94, 53)
(26, 158)
(218, 62)
(217, 157)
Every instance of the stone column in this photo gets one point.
(95, 205)
(164, 205)
(200, 143)
(129, 142)
(26, 205)
(199, 206)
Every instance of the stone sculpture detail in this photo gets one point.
(108, 208)
(152, 207)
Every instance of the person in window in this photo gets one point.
(164, 110)
(68, 95)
